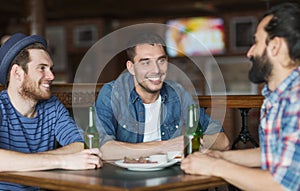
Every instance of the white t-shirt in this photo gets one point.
(152, 121)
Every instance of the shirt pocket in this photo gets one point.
(128, 131)
(171, 129)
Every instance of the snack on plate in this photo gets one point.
(140, 160)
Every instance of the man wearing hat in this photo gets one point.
(31, 120)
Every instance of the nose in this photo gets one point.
(156, 67)
(250, 52)
(50, 75)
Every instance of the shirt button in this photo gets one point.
(177, 126)
(162, 133)
(124, 126)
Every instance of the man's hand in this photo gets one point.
(85, 159)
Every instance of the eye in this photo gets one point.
(162, 61)
(145, 62)
(42, 68)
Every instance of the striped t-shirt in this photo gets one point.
(38, 134)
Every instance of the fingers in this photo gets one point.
(95, 158)
(185, 164)
(95, 151)
(188, 162)
(99, 165)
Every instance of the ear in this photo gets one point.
(130, 66)
(16, 72)
(275, 46)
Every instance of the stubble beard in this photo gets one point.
(148, 90)
(144, 86)
(29, 90)
(261, 69)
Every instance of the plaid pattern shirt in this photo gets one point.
(279, 132)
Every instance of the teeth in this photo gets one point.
(46, 85)
(154, 78)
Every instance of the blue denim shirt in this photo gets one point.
(121, 113)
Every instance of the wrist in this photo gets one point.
(59, 162)
(219, 167)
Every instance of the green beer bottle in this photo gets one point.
(198, 134)
(91, 135)
(193, 131)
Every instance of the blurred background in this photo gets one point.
(72, 27)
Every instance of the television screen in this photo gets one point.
(195, 36)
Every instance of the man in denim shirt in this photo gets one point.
(144, 113)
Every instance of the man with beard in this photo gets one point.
(276, 58)
(31, 120)
(141, 113)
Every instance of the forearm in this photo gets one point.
(85, 159)
(245, 157)
(241, 176)
(218, 141)
(245, 178)
(113, 150)
(37, 161)
(15, 161)
(71, 148)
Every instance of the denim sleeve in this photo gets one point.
(209, 125)
(106, 122)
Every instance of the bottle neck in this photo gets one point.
(91, 117)
(190, 118)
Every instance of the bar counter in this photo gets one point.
(113, 178)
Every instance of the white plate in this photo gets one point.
(174, 154)
(144, 166)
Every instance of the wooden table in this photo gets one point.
(113, 178)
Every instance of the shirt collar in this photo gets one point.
(273, 96)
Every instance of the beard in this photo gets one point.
(261, 69)
(148, 90)
(31, 90)
(147, 85)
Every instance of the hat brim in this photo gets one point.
(13, 51)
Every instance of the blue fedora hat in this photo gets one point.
(11, 48)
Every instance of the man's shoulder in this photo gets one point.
(171, 83)
(3, 96)
(123, 84)
(3, 93)
(172, 86)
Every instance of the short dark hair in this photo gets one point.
(143, 38)
(285, 23)
(23, 57)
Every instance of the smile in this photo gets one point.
(154, 78)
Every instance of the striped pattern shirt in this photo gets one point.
(38, 134)
(279, 132)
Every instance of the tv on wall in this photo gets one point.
(195, 36)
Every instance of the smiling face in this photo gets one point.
(36, 82)
(149, 68)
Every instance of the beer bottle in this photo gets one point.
(198, 134)
(91, 135)
(192, 134)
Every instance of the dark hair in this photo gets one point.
(285, 23)
(143, 38)
(23, 57)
